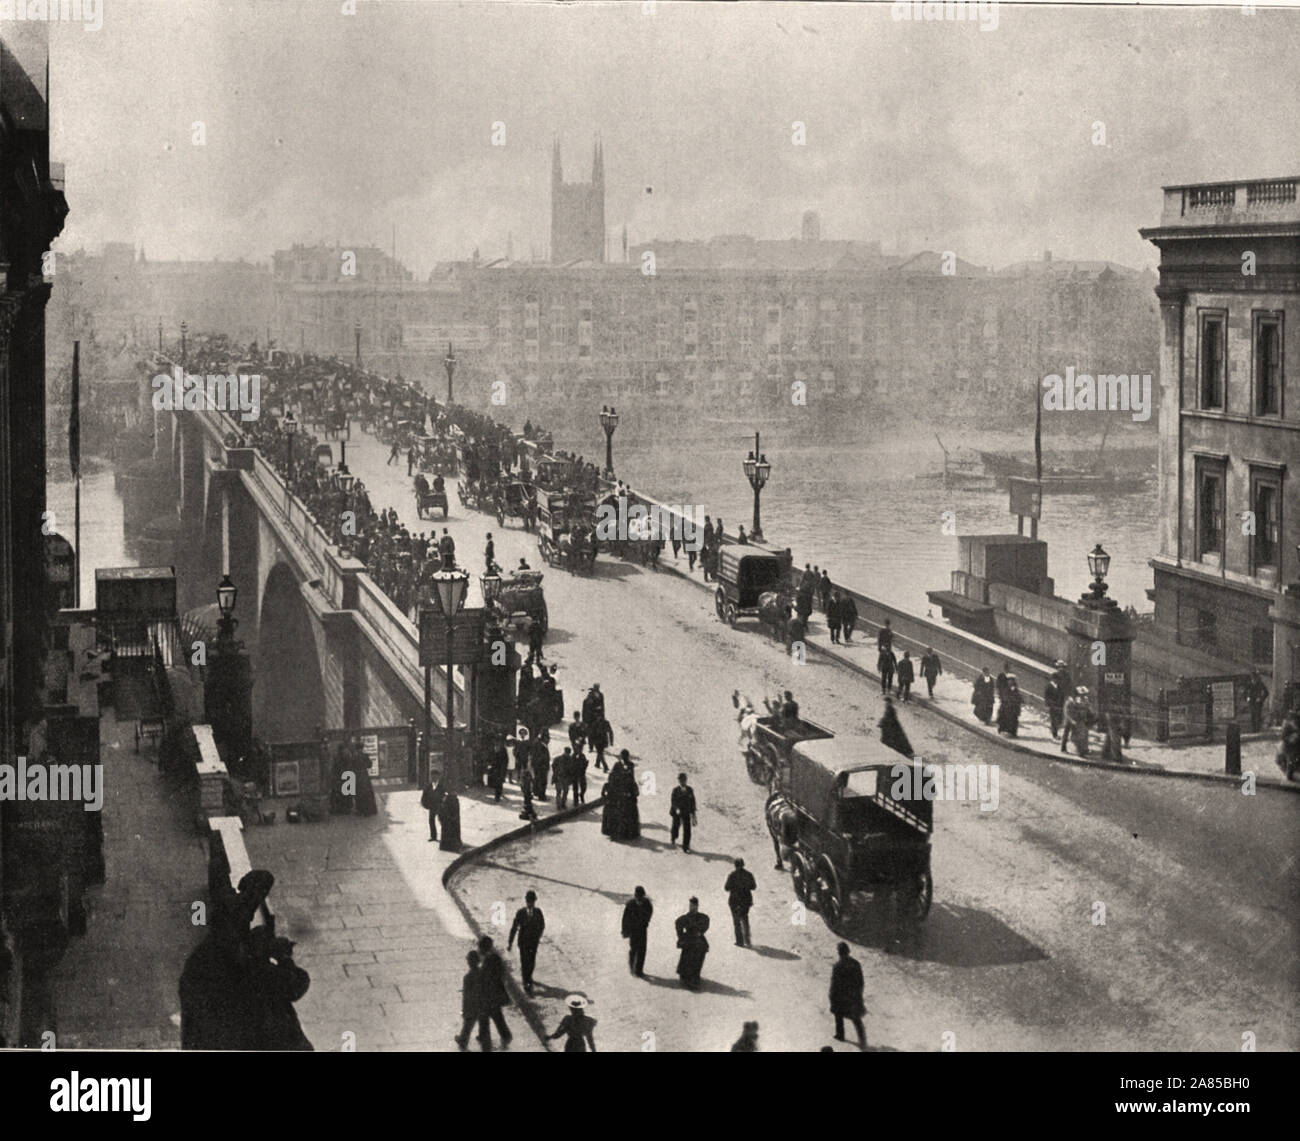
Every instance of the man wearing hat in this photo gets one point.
(1078, 716)
(636, 926)
(528, 925)
(576, 1027)
(1054, 698)
(593, 705)
(682, 810)
(740, 887)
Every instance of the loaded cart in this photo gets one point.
(855, 822)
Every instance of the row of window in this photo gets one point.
(1266, 340)
(1260, 518)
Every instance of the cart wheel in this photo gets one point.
(729, 614)
(802, 880)
(756, 769)
(719, 601)
(830, 899)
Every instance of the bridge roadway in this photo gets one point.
(1198, 882)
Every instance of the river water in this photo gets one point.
(860, 512)
(857, 510)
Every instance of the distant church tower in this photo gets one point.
(578, 212)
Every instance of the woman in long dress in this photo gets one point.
(692, 944)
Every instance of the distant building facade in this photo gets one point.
(1230, 422)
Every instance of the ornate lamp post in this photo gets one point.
(757, 471)
(449, 363)
(184, 330)
(449, 587)
(357, 330)
(609, 421)
(344, 433)
(228, 685)
(289, 426)
(1098, 567)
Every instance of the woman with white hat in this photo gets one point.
(576, 1027)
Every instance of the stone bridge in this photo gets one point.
(329, 648)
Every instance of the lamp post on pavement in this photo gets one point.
(289, 426)
(184, 330)
(228, 683)
(357, 330)
(449, 587)
(449, 363)
(609, 421)
(757, 471)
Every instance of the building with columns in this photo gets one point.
(1227, 578)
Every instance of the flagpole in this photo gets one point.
(74, 455)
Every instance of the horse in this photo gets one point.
(774, 613)
(782, 825)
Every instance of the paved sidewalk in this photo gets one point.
(952, 700)
(383, 940)
(116, 986)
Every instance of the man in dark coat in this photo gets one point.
(472, 1009)
(541, 765)
(276, 983)
(528, 925)
(848, 616)
(846, 995)
(494, 993)
(600, 736)
(891, 730)
(982, 696)
(682, 810)
(563, 774)
(740, 887)
(931, 668)
(834, 616)
(593, 705)
(886, 664)
(885, 638)
(824, 589)
(906, 676)
(1054, 699)
(218, 1005)
(692, 943)
(431, 802)
(498, 762)
(636, 926)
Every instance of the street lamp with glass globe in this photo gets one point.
(449, 588)
(757, 471)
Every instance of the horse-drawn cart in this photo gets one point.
(855, 822)
(744, 580)
(429, 498)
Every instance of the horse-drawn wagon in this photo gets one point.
(514, 500)
(751, 585)
(854, 821)
(522, 599)
(429, 497)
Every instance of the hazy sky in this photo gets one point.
(324, 126)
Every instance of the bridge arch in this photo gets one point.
(288, 688)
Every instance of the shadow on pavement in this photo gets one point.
(775, 953)
(952, 936)
(707, 986)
